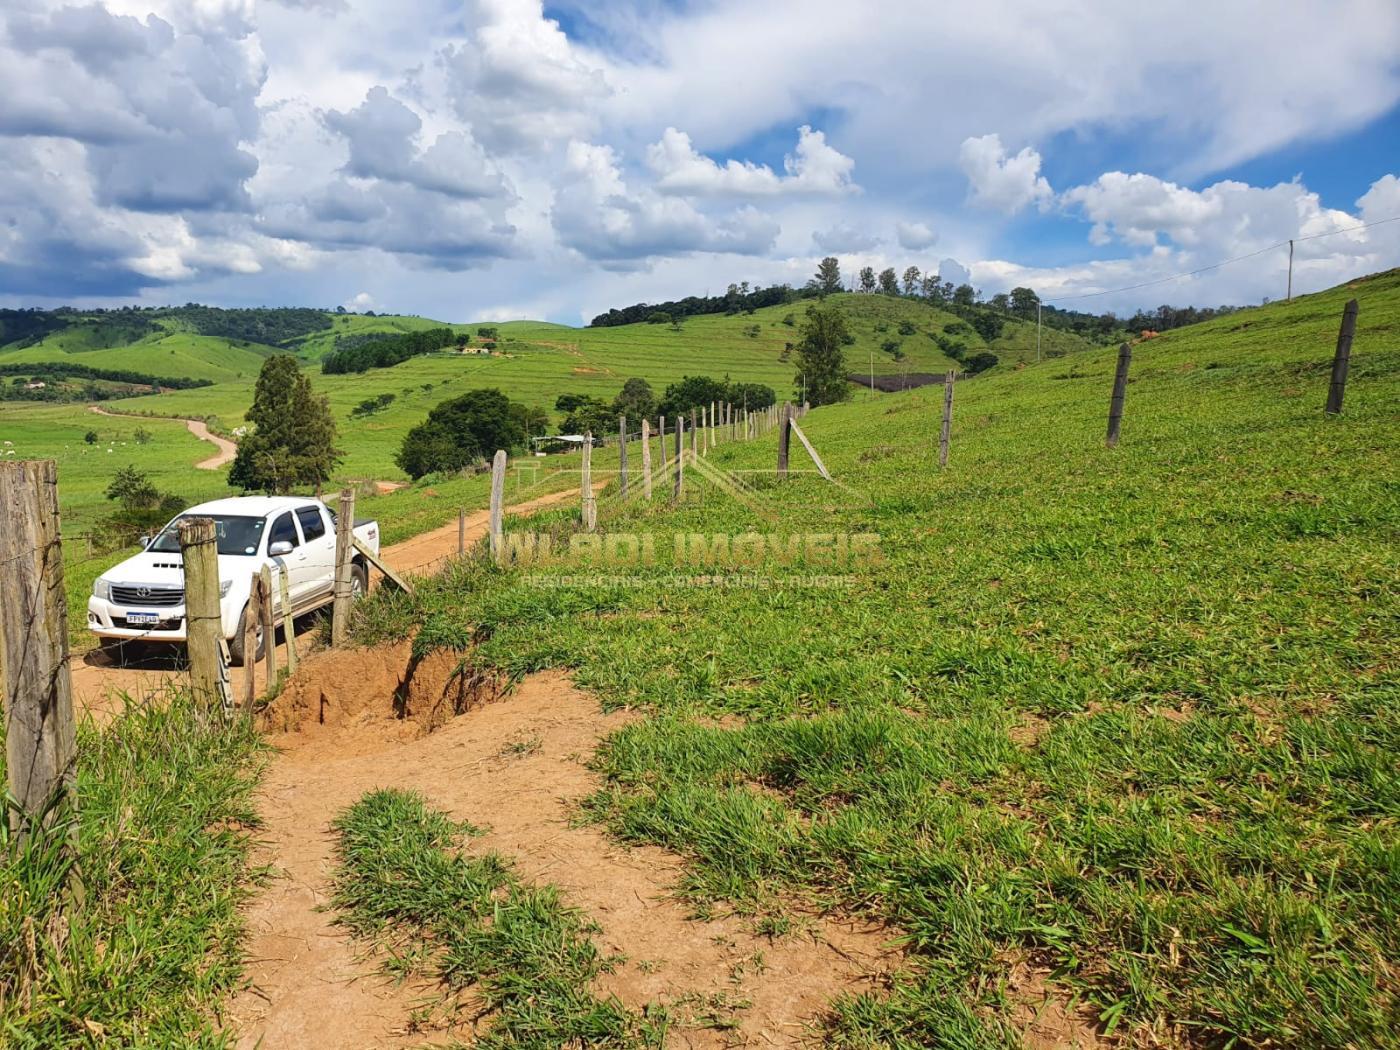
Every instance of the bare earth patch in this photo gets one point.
(515, 767)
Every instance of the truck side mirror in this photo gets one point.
(279, 548)
(145, 542)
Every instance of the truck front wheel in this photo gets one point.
(237, 644)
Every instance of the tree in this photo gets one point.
(591, 415)
(142, 436)
(569, 402)
(828, 278)
(691, 392)
(636, 402)
(931, 289)
(292, 444)
(90, 437)
(964, 295)
(133, 489)
(911, 281)
(821, 361)
(889, 284)
(867, 279)
(461, 431)
(1001, 302)
(1024, 302)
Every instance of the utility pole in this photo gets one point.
(872, 378)
(1290, 269)
(1037, 330)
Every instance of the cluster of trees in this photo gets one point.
(270, 325)
(386, 351)
(53, 370)
(1165, 317)
(637, 401)
(141, 507)
(738, 298)
(108, 328)
(370, 405)
(466, 430)
(292, 441)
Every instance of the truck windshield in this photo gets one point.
(235, 535)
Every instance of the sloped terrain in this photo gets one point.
(1111, 730)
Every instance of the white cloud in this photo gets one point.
(519, 80)
(360, 302)
(915, 236)
(1006, 183)
(597, 215)
(815, 168)
(1184, 230)
(845, 237)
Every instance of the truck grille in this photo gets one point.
(163, 597)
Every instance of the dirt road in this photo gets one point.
(98, 684)
(227, 449)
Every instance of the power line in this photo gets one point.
(1217, 265)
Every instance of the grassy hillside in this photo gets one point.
(1125, 716)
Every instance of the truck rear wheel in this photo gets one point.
(236, 644)
(359, 581)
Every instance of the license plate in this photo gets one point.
(142, 617)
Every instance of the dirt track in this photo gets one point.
(514, 766)
(227, 449)
(97, 685)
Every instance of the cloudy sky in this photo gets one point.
(498, 158)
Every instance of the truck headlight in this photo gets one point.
(224, 586)
(102, 589)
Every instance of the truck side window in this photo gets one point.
(313, 526)
(283, 530)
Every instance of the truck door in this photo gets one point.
(320, 555)
(284, 530)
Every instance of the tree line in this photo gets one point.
(386, 351)
(738, 298)
(46, 370)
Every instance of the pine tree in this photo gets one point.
(292, 444)
(821, 359)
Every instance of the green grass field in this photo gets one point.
(1129, 714)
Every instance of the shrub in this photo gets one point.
(980, 362)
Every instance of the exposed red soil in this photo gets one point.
(513, 765)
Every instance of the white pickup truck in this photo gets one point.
(143, 598)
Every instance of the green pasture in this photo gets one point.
(1129, 715)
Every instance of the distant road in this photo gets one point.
(227, 449)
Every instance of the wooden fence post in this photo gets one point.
(269, 626)
(646, 458)
(622, 456)
(199, 552)
(710, 431)
(344, 549)
(784, 440)
(284, 591)
(498, 498)
(251, 618)
(947, 428)
(589, 504)
(1341, 360)
(461, 530)
(40, 739)
(1120, 391)
(680, 457)
(694, 435)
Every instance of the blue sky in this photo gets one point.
(499, 158)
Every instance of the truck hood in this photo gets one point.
(165, 570)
